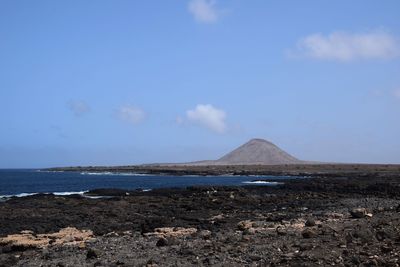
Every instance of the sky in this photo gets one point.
(101, 82)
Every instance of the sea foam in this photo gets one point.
(45, 193)
(114, 173)
(263, 182)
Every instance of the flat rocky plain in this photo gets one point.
(343, 216)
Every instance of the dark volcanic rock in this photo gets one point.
(258, 226)
(309, 233)
(162, 242)
(92, 254)
(310, 222)
(8, 260)
(365, 235)
(358, 212)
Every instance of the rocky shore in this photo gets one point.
(306, 169)
(320, 221)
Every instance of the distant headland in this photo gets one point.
(255, 157)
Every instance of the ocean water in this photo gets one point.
(25, 182)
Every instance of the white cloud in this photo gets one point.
(78, 108)
(131, 114)
(209, 117)
(204, 11)
(342, 46)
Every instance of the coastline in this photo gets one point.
(285, 225)
(306, 169)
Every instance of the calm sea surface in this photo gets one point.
(22, 182)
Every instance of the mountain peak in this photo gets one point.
(259, 140)
(258, 151)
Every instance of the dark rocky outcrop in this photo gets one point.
(294, 224)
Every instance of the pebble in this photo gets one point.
(91, 240)
(305, 247)
(310, 222)
(92, 253)
(386, 249)
(205, 234)
(358, 213)
(162, 242)
(243, 225)
(255, 257)
(249, 231)
(111, 234)
(309, 233)
(281, 231)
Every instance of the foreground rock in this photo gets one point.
(315, 222)
(69, 236)
(358, 213)
(172, 232)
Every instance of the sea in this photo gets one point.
(25, 182)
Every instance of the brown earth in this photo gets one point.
(28, 239)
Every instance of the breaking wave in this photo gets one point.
(45, 193)
(262, 182)
(114, 173)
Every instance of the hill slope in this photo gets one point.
(257, 151)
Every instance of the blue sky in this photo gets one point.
(126, 82)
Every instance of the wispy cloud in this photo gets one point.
(207, 116)
(204, 11)
(343, 46)
(179, 120)
(396, 93)
(78, 108)
(131, 114)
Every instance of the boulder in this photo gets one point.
(358, 213)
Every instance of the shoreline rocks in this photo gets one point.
(69, 236)
(259, 226)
